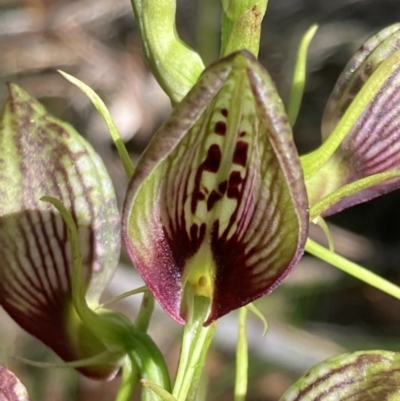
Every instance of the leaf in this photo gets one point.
(42, 156)
(358, 376)
(366, 141)
(217, 200)
(11, 389)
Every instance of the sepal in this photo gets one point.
(175, 66)
(361, 128)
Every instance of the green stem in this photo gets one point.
(207, 31)
(241, 25)
(161, 392)
(242, 358)
(124, 295)
(195, 343)
(146, 310)
(129, 380)
(150, 362)
(352, 268)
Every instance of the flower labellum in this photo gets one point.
(218, 200)
(42, 156)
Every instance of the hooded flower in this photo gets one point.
(360, 156)
(41, 156)
(218, 199)
(59, 246)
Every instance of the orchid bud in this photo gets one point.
(59, 246)
(217, 201)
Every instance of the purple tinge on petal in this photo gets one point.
(40, 156)
(219, 194)
(362, 65)
(372, 146)
(11, 389)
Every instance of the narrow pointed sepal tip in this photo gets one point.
(218, 200)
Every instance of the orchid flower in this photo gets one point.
(360, 156)
(357, 376)
(218, 202)
(59, 246)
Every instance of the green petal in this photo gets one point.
(217, 199)
(359, 376)
(41, 156)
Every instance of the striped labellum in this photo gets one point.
(218, 200)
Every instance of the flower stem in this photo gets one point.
(146, 310)
(129, 380)
(242, 358)
(196, 340)
(352, 268)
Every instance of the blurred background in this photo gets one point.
(318, 311)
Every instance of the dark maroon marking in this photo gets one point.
(212, 199)
(213, 159)
(233, 186)
(224, 112)
(197, 234)
(240, 154)
(242, 134)
(223, 186)
(211, 164)
(220, 128)
(193, 230)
